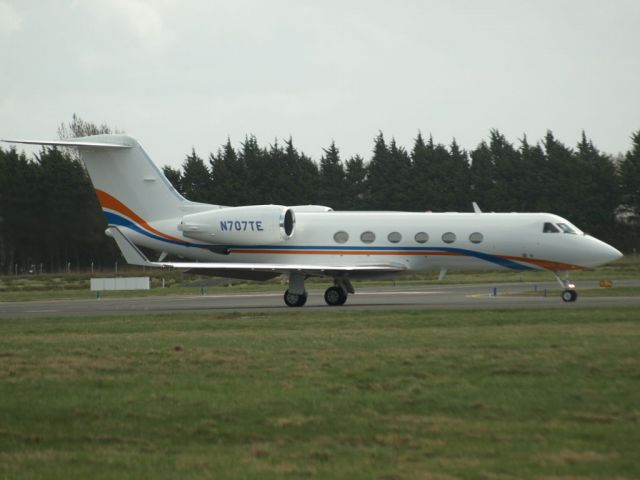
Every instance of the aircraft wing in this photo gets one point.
(134, 256)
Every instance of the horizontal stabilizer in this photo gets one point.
(134, 256)
(70, 143)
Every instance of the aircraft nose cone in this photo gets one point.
(607, 254)
(614, 254)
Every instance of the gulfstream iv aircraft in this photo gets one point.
(263, 241)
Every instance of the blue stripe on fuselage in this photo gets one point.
(115, 219)
(118, 220)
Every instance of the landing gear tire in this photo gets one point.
(295, 299)
(335, 296)
(569, 295)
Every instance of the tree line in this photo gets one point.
(50, 218)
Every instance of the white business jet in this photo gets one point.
(263, 241)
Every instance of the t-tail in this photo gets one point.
(129, 186)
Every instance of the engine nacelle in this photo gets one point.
(251, 225)
(311, 209)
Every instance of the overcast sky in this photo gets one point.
(181, 73)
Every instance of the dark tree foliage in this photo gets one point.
(332, 183)
(389, 176)
(256, 184)
(458, 195)
(174, 175)
(482, 178)
(301, 177)
(599, 184)
(536, 190)
(195, 182)
(356, 184)
(630, 176)
(440, 177)
(49, 215)
(227, 174)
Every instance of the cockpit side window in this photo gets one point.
(566, 228)
(550, 228)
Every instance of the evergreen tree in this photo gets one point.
(458, 173)
(196, 179)
(563, 178)
(439, 177)
(301, 177)
(422, 181)
(20, 211)
(388, 177)
(598, 175)
(228, 173)
(332, 184)
(257, 183)
(442, 180)
(174, 175)
(357, 196)
(630, 176)
(482, 178)
(508, 175)
(535, 191)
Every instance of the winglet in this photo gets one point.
(130, 252)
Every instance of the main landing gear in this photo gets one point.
(296, 295)
(295, 299)
(335, 296)
(569, 293)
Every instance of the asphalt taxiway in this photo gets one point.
(428, 297)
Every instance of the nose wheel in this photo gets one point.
(569, 293)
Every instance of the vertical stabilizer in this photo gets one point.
(126, 180)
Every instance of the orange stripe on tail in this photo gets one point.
(112, 203)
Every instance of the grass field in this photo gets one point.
(389, 395)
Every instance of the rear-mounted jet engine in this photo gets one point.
(252, 225)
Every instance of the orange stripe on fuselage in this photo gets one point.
(112, 203)
(547, 264)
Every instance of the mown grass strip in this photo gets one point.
(406, 394)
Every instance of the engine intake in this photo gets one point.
(251, 225)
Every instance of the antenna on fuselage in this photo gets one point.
(476, 208)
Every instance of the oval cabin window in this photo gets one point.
(367, 237)
(449, 237)
(476, 237)
(341, 237)
(394, 237)
(421, 237)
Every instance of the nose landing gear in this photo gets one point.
(569, 293)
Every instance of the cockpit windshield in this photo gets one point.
(560, 227)
(566, 228)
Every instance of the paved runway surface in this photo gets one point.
(429, 297)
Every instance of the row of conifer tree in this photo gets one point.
(50, 219)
